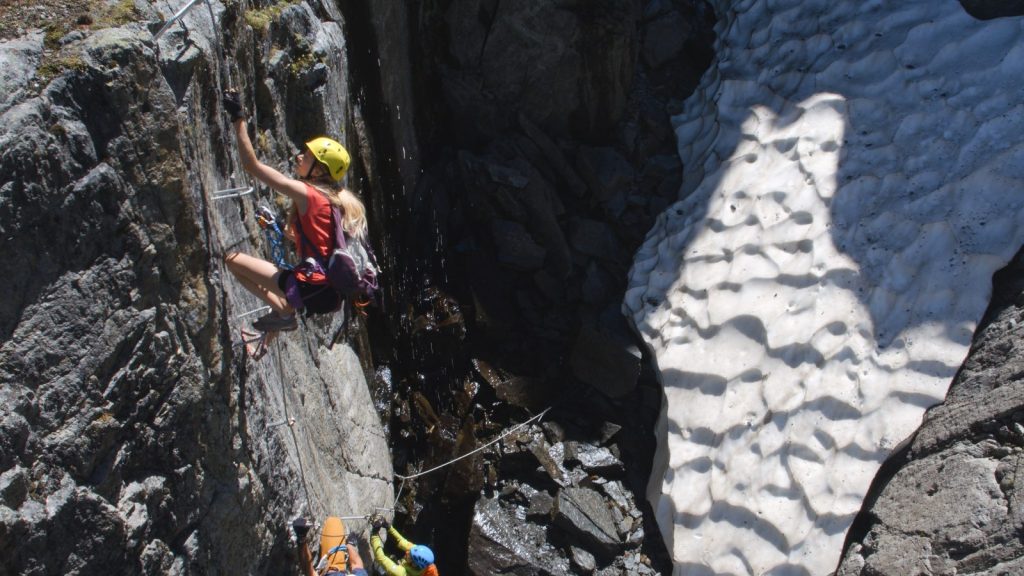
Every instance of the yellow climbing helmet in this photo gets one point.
(332, 154)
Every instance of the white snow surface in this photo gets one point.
(854, 174)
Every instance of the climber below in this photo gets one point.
(418, 559)
(338, 554)
(319, 168)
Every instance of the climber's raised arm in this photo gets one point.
(290, 187)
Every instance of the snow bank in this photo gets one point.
(853, 179)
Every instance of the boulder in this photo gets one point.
(501, 543)
(19, 59)
(586, 516)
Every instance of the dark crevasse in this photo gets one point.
(515, 155)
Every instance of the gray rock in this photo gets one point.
(594, 459)
(620, 496)
(501, 543)
(585, 515)
(541, 506)
(551, 458)
(14, 487)
(19, 59)
(582, 559)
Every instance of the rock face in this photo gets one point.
(953, 505)
(135, 437)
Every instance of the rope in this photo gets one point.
(470, 453)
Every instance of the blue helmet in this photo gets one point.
(421, 556)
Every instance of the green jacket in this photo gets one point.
(392, 568)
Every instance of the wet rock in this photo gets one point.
(605, 362)
(516, 248)
(593, 459)
(550, 459)
(585, 515)
(501, 543)
(521, 391)
(605, 171)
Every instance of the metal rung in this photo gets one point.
(251, 312)
(290, 422)
(177, 16)
(231, 193)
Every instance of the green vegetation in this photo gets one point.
(117, 15)
(302, 57)
(53, 33)
(54, 65)
(100, 15)
(261, 19)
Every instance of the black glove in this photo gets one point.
(301, 528)
(378, 522)
(232, 102)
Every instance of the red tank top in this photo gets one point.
(316, 225)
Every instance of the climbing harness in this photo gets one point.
(177, 16)
(275, 237)
(231, 193)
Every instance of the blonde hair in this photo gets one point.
(352, 209)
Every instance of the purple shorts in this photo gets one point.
(310, 298)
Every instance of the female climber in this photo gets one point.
(319, 167)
